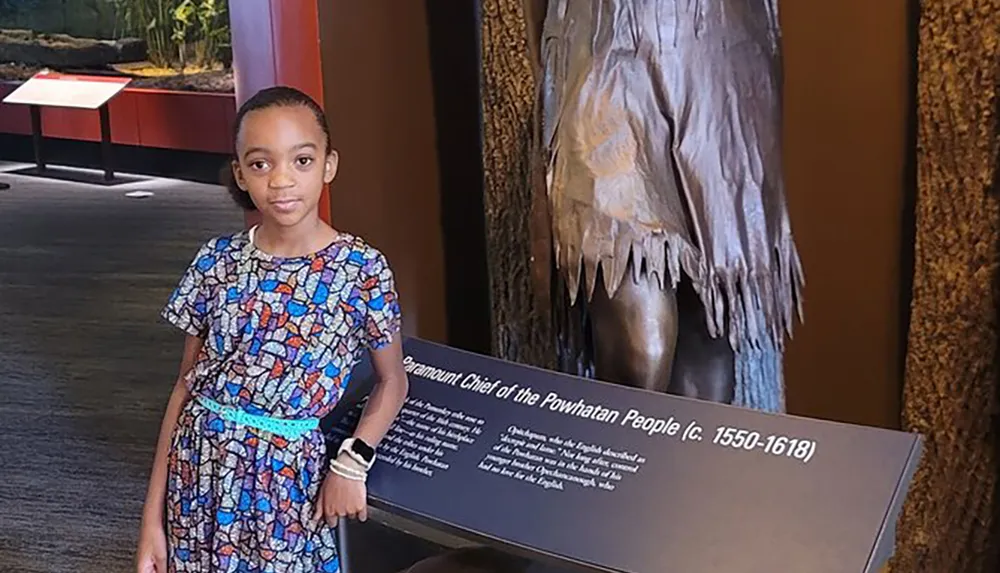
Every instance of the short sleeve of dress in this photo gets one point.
(188, 305)
(382, 313)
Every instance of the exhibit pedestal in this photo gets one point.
(579, 474)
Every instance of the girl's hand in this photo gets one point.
(152, 554)
(342, 497)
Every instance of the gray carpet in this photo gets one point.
(85, 366)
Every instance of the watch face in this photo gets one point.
(363, 450)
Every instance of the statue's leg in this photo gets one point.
(635, 332)
(705, 367)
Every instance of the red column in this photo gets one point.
(276, 42)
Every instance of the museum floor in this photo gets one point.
(85, 367)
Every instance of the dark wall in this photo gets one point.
(847, 108)
(453, 30)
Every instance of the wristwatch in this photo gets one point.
(358, 451)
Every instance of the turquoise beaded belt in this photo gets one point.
(290, 429)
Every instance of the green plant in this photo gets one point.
(183, 18)
(173, 28)
(212, 36)
(150, 20)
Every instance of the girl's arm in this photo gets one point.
(348, 498)
(152, 514)
(388, 395)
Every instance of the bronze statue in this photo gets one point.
(662, 126)
(662, 130)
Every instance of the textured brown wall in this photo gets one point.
(846, 98)
(950, 520)
(377, 85)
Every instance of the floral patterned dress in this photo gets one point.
(282, 336)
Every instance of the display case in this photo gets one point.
(176, 52)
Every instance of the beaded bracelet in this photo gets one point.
(347, 472)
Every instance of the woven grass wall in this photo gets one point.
(949, 523)
(517, 236)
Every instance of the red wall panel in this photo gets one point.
(125, 119)
(13, 118)
(296, 34)
(152, 118)
(276, 42)
(85, 124)
(71, 123)
(185, 120)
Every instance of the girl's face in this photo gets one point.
(283, 163)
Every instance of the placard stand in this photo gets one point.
(599, 477)
(52, 89)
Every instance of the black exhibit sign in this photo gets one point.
(618, 479)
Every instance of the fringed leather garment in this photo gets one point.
(662, 123)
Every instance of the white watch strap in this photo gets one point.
(345, 448)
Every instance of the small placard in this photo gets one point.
(617, 479)
(48, 88)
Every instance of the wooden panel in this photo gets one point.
(65, 123)
(125, 119)
(380, 102)
(185, 120)
(855, 95)
(85, 124)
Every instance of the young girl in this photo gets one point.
(276, 318)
